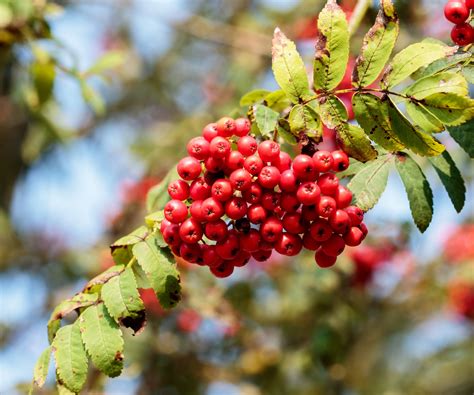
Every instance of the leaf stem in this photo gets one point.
(358, 14)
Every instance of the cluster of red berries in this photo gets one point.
(238, 199)
(459, 12)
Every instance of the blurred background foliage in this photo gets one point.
(97, 100)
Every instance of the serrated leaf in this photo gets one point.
(70, 357)
(110, 60)
(451, 178)
(62, 390)
(122, 248)
(266, 119)
(354, 167)
(411, 59)
(160, 269)
(449, 108)
(93, 98)
(157, 196)
(102, 339)
(369, 183)
(254, 97)
(277, 100)
(42, 367)
(154, 219)
(418, 190)
(95, 284)
(464, 136)
(284, 131)
(468, 72)
(43, 74)
(377, 46)
(442, 82)
(67, 306)
(332, 47)
(412, 138)
(355, 142)
(422, 118)
(305, 121)
(372, 114)
(332, 111)
(288, 68)
(441, 65)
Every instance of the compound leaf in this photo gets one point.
(442, 82)
(449, 108)
(464, 136)
(304, 120)
(122, 248)
(355, 142)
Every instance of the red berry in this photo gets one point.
(343, 197)
(269, 150)
(199, 189)
(289, 202)
(178, 190)
(241, 259)
(224, 269)
(462, 34)
(303, 167)
(250, 241)
(293, 223)
(219, 147)
(236, 208)
(340, 160)
(262, 255)
(226, 127)
(309, 243)
(198, 148)
(270, 200)
(310, 213)
(469, 4)
(189, 168)
(210, 131)
(242, 127)
(247, 145)
(340, 221)
(196, 210)
(212, 209)
(288, 182)
(175, 211)
(289, 244)
(214, 165)
(235, 160)
(256, 214)
(216, 230)
(323, 161)
(323, 260)
(283, 162)
(190, 231)
(355, 214)
(333, 246)
(328, 183)
(271, 229)
(171, 235)
(190, 252)
(209, 255)
(320, 230)
(269, 177)
(229, 248)
(308, 193)
(456, 11)
(354, 237)
(326, 206)
(253, 194)
(364, 229)
(253, 164)
(164, 224)
(222, 190)
(241, 179)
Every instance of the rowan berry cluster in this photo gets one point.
(237, 198)
(459, 12)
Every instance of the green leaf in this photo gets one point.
(43, 74)
(372, 114)
(157, 196)
(332, 111)
(369, 183)
(160, 269)
(355, 142)
(354, 167)
(412, 138)
(441, 65)
(449, 108)
(110, 60)
(62, 390)
(305, 121)
(377, 46)
(451, 178)
(277, 101)
(6, 15)
(95, 285)
(103, 339)
(284, 131)
(332, 47)
(70, 357)
(422, 118)
(442, 82)
(42, 367)
(254, 97)
(67, 306)
(266, 119)
(288, 68)
(122, 248)
(154, 219)
(418, 190)
(464, 136)
(93, 98)
(411, 59)
(468, 72)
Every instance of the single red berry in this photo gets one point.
(262, 255)
(256, 214)
(199, 189)
(270, 200)
(266, 245)
(198, 148)
(303, 167)
(196, 210)
(462, 34)
(320, 230)
(250, 241)
(190, 252)
(212, 209)
(271, 229)
(289, 244)
(247, 145)
(229, 247)
(190, 231)
(241, 179)
(269, 150)
(340, 221)
(210, 131)
(175, 249)
(235, 160)
(283, 162)
(178, 190)
(209, 255)
(323, 260)
(343, 197)
(226, 127)
(293, 223)
(253, 164)
(175, 211)
(326, 206)
(189, 168)
(354, 237)
(224, 269)
(310, 213)
(328, 183)
(219, 147)
(340, 160)
(164, 224)
(469, 4)
(242, 127)
(288, 182)
(241, 259)
(214, 165)
(333, 246)
(355, 214)
(309, 243)
(222, 190)
(269, 177)
(456, 11)
(323, 161)
(364, 229)
(289, 202)
(308, 193)
(171, 235)
(216, 230)
(253, 194)
(236, 208)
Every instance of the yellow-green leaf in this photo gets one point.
(122, 248)
(254, 97)
(449, 108)
(355, 142)
(42, 367)
(332, 111)
(422, 118)
(304, 120)
(447, 82)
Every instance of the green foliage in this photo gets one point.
(254, 97)
(110, 60)
(41, 367)
(122, 249)
(355, 142)
(444, 82)
(332, 110)
(449, 108)
(158, 195)
(304, 120)
(464, 136)
(266, 120)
